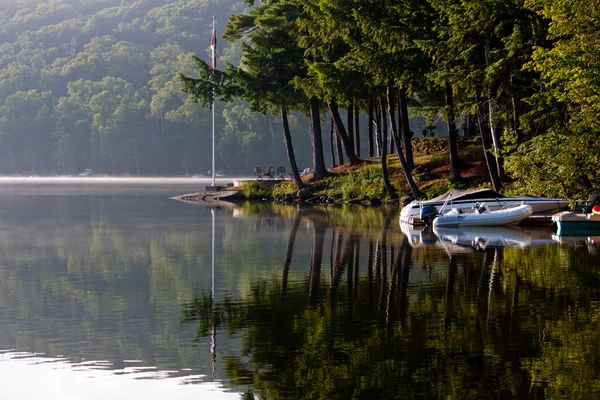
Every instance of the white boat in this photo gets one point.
(483, 216)
(465, 200)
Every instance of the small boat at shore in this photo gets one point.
(465, 200)
(569, 223)
(483, 216)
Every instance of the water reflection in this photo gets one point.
(411, 321)
(58, 378)
(291, 302)
(490, 237)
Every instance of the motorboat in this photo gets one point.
(569, 223)
(483, 216)
(464, 201)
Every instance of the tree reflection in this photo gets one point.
(488, 324)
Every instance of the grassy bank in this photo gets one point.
(364, 181)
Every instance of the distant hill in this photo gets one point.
(91, 84)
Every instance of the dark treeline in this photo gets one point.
(521, 75)
(92, 84)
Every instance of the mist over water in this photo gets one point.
(110, 186)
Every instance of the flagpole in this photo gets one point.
(213, 44)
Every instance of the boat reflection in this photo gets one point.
(420, 236)
(592, 243)
(456, 240)
(485, 237)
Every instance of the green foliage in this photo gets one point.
(362, 184)
(283, 188)
(453, 184)
(436, 191)
(256, 190)
(556, 165)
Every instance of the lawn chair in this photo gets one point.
(589, 203)
(258, 172)
(269, 173)
(281, 173)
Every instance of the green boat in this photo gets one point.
(568, 223)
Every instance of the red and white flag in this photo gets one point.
(213, 46)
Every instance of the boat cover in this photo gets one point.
(456, 194)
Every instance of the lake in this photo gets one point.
(111, 290)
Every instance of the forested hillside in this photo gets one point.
(92, 84)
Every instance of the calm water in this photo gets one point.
(110, 290)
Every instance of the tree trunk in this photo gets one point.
(356, 130)
(332, 143)
(498, 129)
(452, 134)
(271, 128)
(340, 152)
(341, 132)
(290, 149)
(495, 130)
(515, 120)
(485, 141)
(350, 124)
(405, 128)
(378, 129)
(492, 90)
(470, 125)
(320, 171)
(386, 180)
(403, 162)
(391, 105)
(370, 148)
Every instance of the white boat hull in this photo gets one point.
(411, 213)
(505, 217)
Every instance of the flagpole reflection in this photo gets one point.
(213, 336)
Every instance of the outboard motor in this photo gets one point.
(481, 208)
(428, 214)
